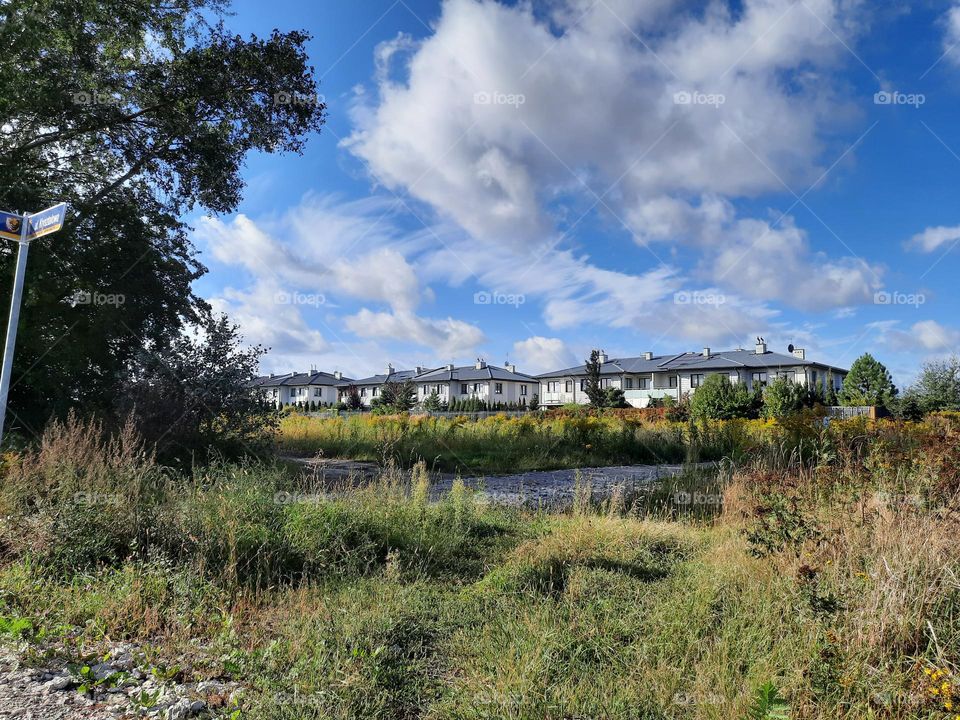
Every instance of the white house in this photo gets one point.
(490, 383)
(657, 376)
(369, 388)
(320, 388)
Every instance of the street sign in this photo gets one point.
(10, 225)
(46, 221)
(22, 228)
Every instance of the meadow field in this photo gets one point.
(824, 582)
(502, 444)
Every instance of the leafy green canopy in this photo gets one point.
(868, 383)
(135, 112)
(719, 399)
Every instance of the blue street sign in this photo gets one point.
(10, 225)
(46, 221)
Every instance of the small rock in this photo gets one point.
(102, 671)
(197, 706)
(61, 682)
(179, 710)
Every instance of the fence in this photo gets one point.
(477, 415)
(869, 411)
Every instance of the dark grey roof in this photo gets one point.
(693, 361)
(616, 366)
(466, 373)
(395, 376)
(295, 378)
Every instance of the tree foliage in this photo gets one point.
(592, 386)
(719, 399)
(868, 383)
(194, 395)
(352, 399)
(936, 388)
(135, 112)
(396, 397)
(432, 402)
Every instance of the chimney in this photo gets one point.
(273, 375)
(800, 353)
(481, 363)
(761, 347)
(648, 356)
(450, 367)
(389, 369)
(706, 352)
(338, 375)
(420, 369)
(511, 368)
(603, 356)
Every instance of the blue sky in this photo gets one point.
(526, 182)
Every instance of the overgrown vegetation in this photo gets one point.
(826, 586)
(503, 444)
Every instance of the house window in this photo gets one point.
(696, 380)
(375, 391)
(318, 392)
(463, 388)
(644, 383)
(759, 378)
(673, 381)
(813, 376)
(605, 383)
(476, 387)
(363, 392)
(628, 383)
(552, 386)
(583, 385)
(789, 375)
(498, 388)
(523, 389)
(568, 386)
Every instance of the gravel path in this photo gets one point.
(547, 488)
(125, 689)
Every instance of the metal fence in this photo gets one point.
(869, 411)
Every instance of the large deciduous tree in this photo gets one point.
(135, 112)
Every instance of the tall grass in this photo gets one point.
(828, 578)
(503, 444)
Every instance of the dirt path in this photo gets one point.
(548, 488)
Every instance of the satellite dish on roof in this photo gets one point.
(790, 348)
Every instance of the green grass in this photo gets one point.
(509, 445)
(809, 596)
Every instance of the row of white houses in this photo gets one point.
(641, 378)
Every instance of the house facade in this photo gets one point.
(369, 388)
(490, 383)
(652, 377)
(320, 388)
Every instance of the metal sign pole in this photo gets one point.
(14, 320)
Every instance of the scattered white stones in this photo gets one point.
(126, 691)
